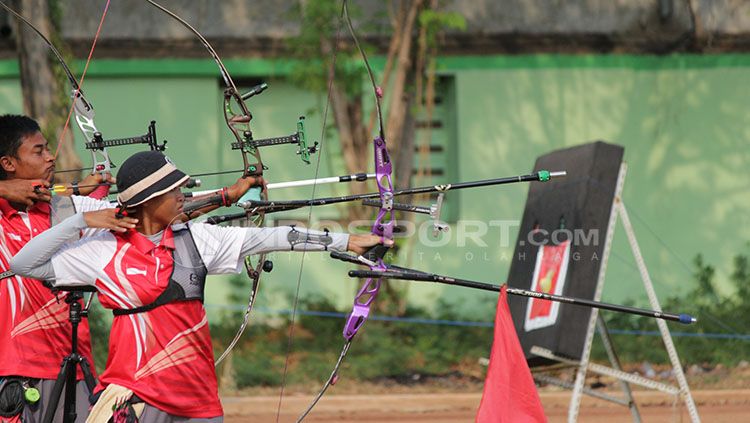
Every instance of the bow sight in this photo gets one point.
(98, 143)
(298, 138)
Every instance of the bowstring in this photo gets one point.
(80, 83)
(295, 306)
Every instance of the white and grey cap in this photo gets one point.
(146, 175)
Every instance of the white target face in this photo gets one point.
(549, 277)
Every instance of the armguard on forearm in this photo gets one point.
(296, 237)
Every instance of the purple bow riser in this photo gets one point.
(382, 227)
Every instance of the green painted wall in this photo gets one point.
(684, 122)
(685, 126)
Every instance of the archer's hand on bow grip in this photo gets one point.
(247, 188)
(96, 185)
(366, 244)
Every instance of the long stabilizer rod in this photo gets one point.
(429, 277)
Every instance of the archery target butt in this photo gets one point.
(560, 245)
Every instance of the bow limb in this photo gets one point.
(237, 117)
(236, 113)
(84, 111)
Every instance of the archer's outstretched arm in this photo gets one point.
(223, 248)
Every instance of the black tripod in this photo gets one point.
(67, 376)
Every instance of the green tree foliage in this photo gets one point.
(318, 40)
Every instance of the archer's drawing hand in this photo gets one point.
(25, 191)
(108, 219)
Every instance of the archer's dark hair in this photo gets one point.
(13, 129)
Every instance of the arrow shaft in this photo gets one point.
(358, 177)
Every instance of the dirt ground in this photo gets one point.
(730, 406)
(721, 394)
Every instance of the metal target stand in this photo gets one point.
(681, 392)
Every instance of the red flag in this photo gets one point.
(509, 391)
